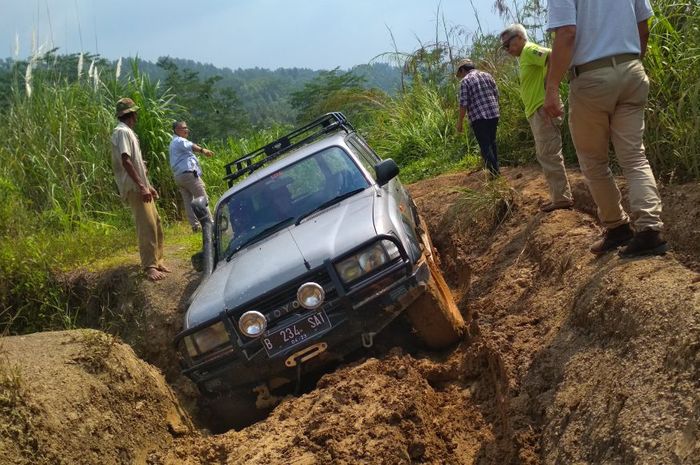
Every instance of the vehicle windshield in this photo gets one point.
(292, 192)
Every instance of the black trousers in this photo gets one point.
(485, 133)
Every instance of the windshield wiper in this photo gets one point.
(263, 234)
(327, 204)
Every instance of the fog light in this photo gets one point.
(310, 295)
(252, 323)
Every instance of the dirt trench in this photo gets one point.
(573, 359)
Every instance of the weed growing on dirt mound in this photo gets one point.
(96, 349)
(16, 417)
(485, 208)
(10, 384)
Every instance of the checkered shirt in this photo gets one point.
(479, 95)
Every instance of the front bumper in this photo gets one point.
(356, 316)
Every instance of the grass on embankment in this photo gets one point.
(32, 297)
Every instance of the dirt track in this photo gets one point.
(573, 360)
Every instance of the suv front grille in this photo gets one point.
(283, 301)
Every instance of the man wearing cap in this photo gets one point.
(533, 62)
(478, 98)
(135, 189)
(601, 43)
(186, 169)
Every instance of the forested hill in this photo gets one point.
(265, 93)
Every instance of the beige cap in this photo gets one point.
(465, 62)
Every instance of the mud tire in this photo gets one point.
(434, 315)
(234, 410)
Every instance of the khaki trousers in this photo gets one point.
(604, 104)
(547, 135)
(148, 230)
(190, 188)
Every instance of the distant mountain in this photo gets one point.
(264, 93)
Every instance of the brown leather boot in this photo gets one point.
(612, 239)
(646, 242)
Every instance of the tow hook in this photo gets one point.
(305, 354)
(368, 340)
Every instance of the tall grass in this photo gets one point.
(673, 118)
(59, 202)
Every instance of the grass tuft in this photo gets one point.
(486, 208)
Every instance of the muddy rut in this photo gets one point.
(570, 359)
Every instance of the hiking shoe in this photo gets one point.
(551, 206)
(646, 242)
(612, 239)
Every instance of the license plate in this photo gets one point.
(279, 340)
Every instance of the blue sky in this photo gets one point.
(318, 34)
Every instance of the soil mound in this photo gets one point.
(392, 411)
(82, 397)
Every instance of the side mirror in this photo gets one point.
(386, 171)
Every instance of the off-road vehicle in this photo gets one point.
(312, 251)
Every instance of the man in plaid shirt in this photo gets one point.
(478, 98)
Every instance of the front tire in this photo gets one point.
(434, 315)
(233, 410)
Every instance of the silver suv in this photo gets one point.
(313, 250)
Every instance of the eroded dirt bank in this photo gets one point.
(573, 359)
(82, 397)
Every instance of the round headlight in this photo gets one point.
(252, 323)
(310, 295)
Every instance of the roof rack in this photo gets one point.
(257, 159)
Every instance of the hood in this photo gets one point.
(280, 258)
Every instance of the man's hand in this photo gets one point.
(560, 60)
(459, 127)
(154, 193)
(207, 152)
(552, 103)
(146, 194)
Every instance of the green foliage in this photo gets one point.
(417, 130)
(31, 298)
(212, 111)
(330, 91)
(672, 133)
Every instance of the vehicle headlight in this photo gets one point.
(310, 295)
(206, 339)
(367, 260)
(252, 323)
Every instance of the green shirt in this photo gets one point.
(533, 72)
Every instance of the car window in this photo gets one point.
(291, 191)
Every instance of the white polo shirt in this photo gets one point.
(603, 27)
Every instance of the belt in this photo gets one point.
(605, 62)
(194, 173)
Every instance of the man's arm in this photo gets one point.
(197, 149)
(643, 28)
(460, 120)
(560, 59)
(146, 194)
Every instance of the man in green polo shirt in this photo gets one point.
(533, 72)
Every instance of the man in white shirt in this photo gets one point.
(186, 169)
(601, 44)
(136, 190)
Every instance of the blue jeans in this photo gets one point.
(485, 133)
